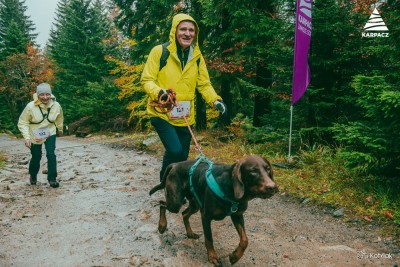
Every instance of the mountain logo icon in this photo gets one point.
(375, 23)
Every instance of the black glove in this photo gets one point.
(220, 106)
(164, 95)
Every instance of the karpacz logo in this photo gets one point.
(375, 34)
(375, 26)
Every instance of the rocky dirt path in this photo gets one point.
(102, 216)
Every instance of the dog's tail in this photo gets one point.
(162, 184)
(156, 188)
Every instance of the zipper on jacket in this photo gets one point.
(183, 63)
(183, 56)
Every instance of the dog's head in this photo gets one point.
(253, 176)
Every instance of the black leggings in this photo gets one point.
(176, 141)
(36, 152)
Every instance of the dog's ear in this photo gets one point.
(269, 169)
(238, 187)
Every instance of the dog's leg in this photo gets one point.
(162, 223)
(212, 254)
(191, 209)
(238, 221)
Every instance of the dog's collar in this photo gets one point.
(212, 184)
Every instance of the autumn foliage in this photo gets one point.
(363, 6)
(19, 76)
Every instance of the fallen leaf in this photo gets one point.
(388, 215)
(367, 218)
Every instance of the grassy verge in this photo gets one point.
(2, 160)
(322, 178)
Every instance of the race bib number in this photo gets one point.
(41, 133)
(180, 112)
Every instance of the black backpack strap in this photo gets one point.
(45, 116)
(164, 55)
(198, 64)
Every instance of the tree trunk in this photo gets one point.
(226, 97)
(262, 102)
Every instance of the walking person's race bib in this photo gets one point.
(180, 112)
(41, 134)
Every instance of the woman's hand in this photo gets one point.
(28, 143)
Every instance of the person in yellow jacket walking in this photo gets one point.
(39, 123)
(184, 71)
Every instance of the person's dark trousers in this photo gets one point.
(176, 141)
(36, 152)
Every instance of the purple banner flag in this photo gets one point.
(301, 71)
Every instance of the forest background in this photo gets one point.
(345, 140)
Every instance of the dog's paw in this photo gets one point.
(214, 261)
(162, 228)
(233, 258)
(193, 236)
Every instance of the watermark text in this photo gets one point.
(369, 255)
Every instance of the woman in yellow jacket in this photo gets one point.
(38, 124)
(184, 71)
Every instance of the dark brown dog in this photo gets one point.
(250, 178)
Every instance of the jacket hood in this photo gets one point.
(175, 22)
(37, 101)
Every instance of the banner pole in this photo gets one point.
(290, 133)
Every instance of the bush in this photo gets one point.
(372, 145)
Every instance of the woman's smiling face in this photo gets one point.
(185, 33)
(44, 98)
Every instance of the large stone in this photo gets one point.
(338, 213)
(151, 140)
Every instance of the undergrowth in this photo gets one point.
(321, 176)
(2, 160)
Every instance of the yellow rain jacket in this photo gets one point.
(183, 82)
(36, 119)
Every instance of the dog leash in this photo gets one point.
(197, 146)
(167, 105)
(211, 182)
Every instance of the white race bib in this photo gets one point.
(180, 112)
(41, 133)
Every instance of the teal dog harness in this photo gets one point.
(212, 184)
